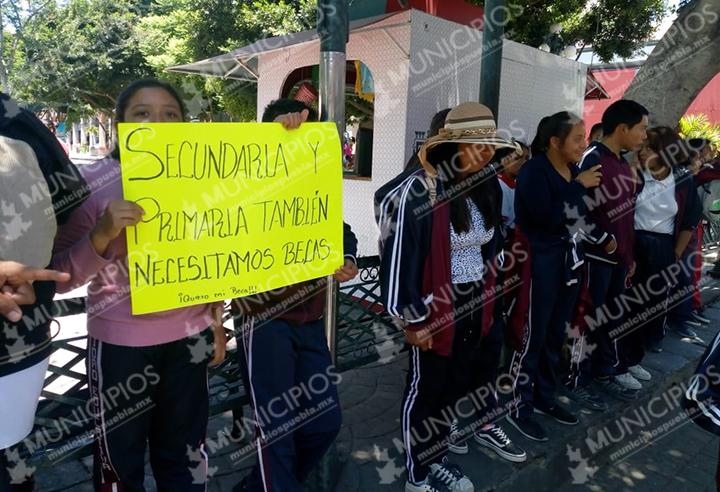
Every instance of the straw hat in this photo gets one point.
(470, 122)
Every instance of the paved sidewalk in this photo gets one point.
(638, 446)
(682, 460)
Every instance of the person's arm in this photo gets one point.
(691, 216)
(349, 270)
(682, 242)
(597, 232)
(350, 242)
(406, 244)
(540, 204)
(219, 338)
(81, 243)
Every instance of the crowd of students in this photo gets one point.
(495, 256)
(492, 254)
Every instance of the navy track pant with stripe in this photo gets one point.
(682, 308)
(436, 382)
(156, 396)
(655, 257)
(425, 427)
(535, 368)
(292, 384)
(606, 284)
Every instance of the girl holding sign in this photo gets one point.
(147, 374)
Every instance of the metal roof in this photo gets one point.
(242, 63)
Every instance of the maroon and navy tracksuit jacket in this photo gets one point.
(415, 257)
(612, 204)
(552, 222)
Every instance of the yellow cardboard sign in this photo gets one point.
(231, 209)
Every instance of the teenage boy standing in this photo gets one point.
(612, 208)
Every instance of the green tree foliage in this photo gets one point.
(77, 55)
(699, 126)
(254, 20)
(80, 54)
(14, 16)
(182, 31)
(612, 27)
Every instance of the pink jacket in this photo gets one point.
(108, 303)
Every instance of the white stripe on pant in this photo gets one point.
(95, 361)
(248, 327)
(412, 394)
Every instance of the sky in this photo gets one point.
(665, 25)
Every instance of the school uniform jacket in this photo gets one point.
(39, 189)
(415, 277)
(612, 204)
(687, 218)
(702, 396)
(550, 215)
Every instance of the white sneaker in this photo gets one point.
(627, 381)
(640, 373)
(451, 476)
(430, 485)
(456, 443)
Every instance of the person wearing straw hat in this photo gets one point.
(439, 237)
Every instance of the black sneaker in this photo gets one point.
(697, 316)
(684, 331)
(496, 439)
(457, 443)
(655, 347)
(612, 388)
(528, 427)
(26, 486)
(587, 398)
(559, 414)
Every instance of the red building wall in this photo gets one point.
(617, 81)
(455, 10)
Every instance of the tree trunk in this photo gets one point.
(4, 65)
(681, 65)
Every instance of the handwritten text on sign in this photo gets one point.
(231, 209)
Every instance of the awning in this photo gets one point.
(242, 63)
(593, 88)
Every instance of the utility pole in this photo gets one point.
(494, 19)
(333, 30)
